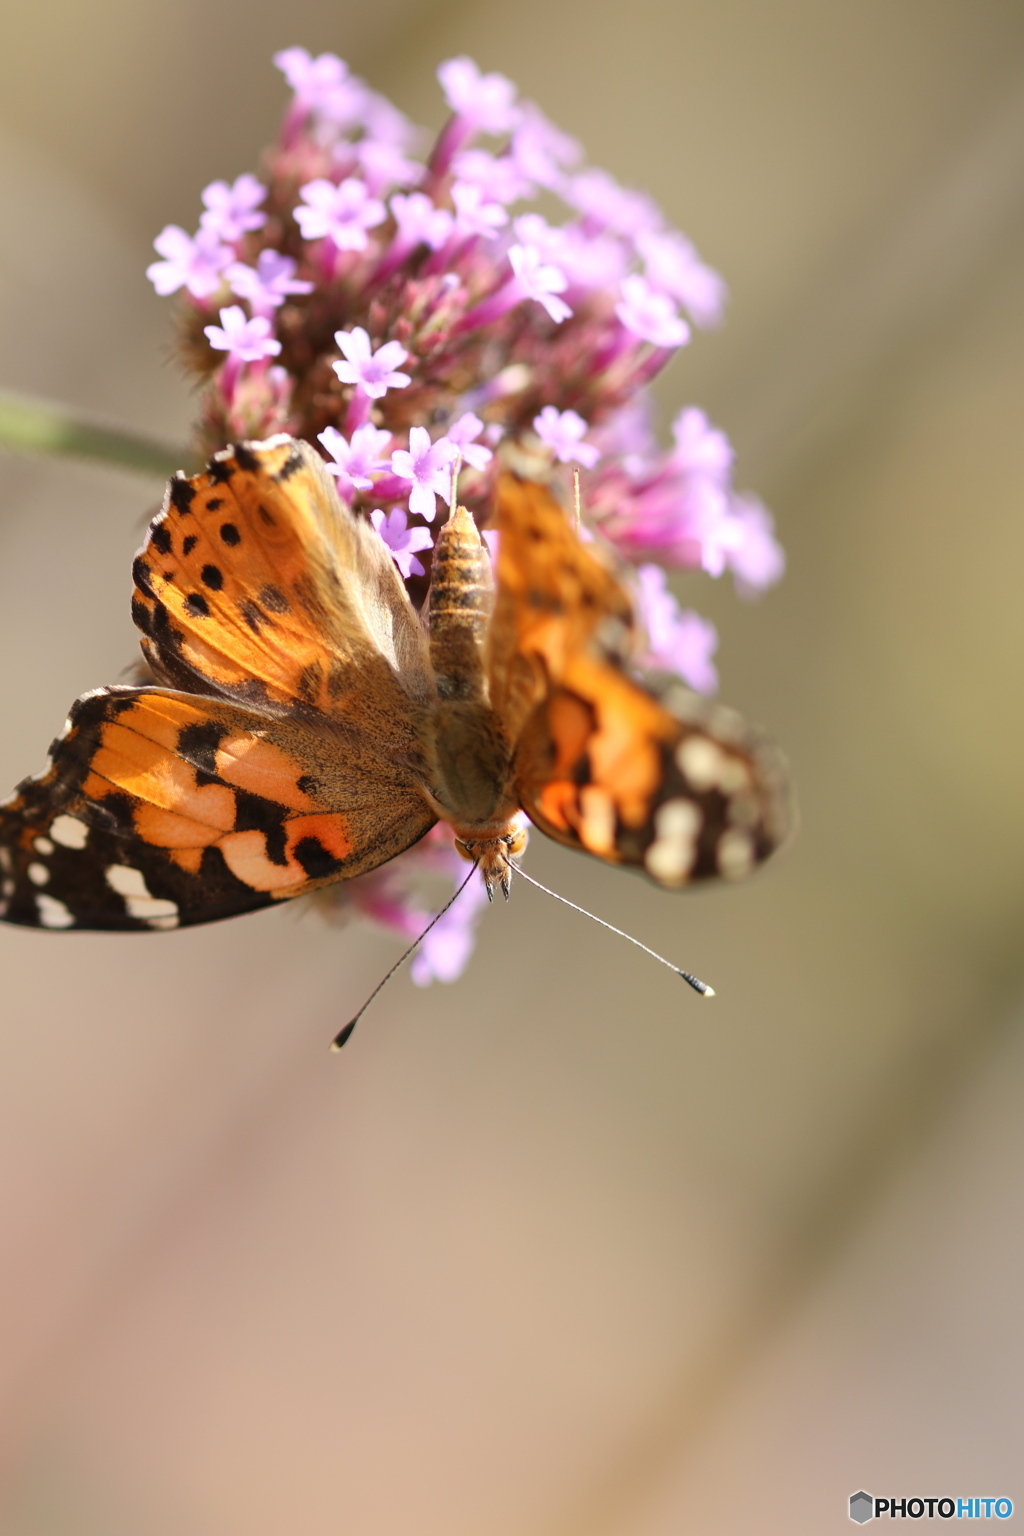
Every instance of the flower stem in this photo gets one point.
(46, 426)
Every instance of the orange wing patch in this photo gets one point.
(255, 582)
(651, 776)
(160, 810)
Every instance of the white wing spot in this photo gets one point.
(68, 831)
(38, 874)
(131, 884)
(735, 854)
(671, 856)
(702, 762)
(53, 913)
(598, 830)
(43, 845)
(5, 859)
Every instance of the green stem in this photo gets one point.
(44, 426)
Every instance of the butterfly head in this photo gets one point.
(494, 855)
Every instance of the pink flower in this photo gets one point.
(674, 267)
(402, 540)
(358, 460)
(601, 199)
(474, 215)
(541, 151)
(245, 340)
(323, 85)
(342, 214)
(195, 264)
(420, 222)
(756, 559)
(230, 211)
(373, 372)
(499, 180)
(486, 101)
(428, 465)
(678, 640)
(384, 166)
(444, 953)
(650, 315)
(700, 449)
(463, 435)
(536, 279)
(267, 284)
(563, 433)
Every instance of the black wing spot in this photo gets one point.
(254, 814)
(228, 532)
(181, 493)
(160, 537)
(140, 615)
(189, 545)
(214, 503)
(220, 470)
(274, 599)
(141, 575)
(266, 516)
(197, 605)
(253, 616)
(307, 785)
(315, 858)
(246, 459)
(292, 464)
(212, 577)
(198, 743)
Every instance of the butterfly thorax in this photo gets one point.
(470, 758)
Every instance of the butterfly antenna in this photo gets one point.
(576, 502)
(691, 980)
(343, 1035)
(455, 485)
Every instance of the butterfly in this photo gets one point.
(304, 723)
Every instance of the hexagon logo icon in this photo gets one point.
(862, 1507)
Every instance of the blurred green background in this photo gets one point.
(556, 1251)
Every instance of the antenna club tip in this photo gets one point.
(696, 983)
(342, 1036)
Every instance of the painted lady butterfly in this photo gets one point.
(304, 725)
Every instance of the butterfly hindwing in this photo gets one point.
(643, 774)
(160, 809)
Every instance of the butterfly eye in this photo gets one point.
(467, 850)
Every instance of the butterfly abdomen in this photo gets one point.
(459, 608)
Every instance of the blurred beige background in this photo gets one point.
(557, 1251)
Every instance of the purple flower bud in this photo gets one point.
(650, 315)
(563, 432)
(373, 372)
(385, 166)
(192, 263)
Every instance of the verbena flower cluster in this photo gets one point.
(405, 313)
